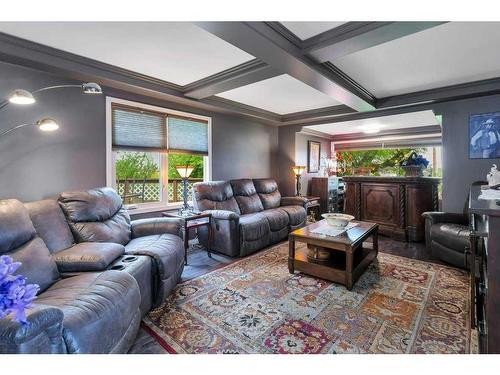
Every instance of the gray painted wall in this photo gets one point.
(459, 172)
(35, 165)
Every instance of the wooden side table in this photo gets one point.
(313, 205)
(191, 221)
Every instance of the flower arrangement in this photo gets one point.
(15, 294)
(415, 159)
(414, 164)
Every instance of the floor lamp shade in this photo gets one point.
(184, 170)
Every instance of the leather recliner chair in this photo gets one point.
(247, 215)
(447, 235)
(98, 271)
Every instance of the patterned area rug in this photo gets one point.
(254, 305)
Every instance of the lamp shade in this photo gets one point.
(91, 88)
(184, 170)
(20, 96)
(298, 169)
(47, 125)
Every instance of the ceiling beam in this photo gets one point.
(364, 115)
(357, 36)
(300, 117)
(418, 130)
(263, 42)
(443, 94)
(242, 108)
(241, 75)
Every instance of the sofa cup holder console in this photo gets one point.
(118, 267)
(129, 259)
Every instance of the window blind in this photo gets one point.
(187, 135)
(139, 130)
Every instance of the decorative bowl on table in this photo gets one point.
(337, 220)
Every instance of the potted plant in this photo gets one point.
(414, 165)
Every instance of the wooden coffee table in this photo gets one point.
(348, 257)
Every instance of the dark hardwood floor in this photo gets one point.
(199, 264)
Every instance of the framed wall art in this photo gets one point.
(484, 136)
(313, 156)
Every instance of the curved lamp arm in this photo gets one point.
(87, 88)
(55, 87)
(46, 124)
(15, 128)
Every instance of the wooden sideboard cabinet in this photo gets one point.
(395, 203)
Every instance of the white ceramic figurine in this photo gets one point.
(493, 177)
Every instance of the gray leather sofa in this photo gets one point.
(99, 272)
(248, 215)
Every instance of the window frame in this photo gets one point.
(164, 204)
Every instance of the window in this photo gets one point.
(145, 144)
(385, 162)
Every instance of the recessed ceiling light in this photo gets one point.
(371, 129)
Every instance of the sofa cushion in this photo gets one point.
(88, 256)
(268, 192)
(254, 226)
(277, 219)
(16, 227)
(99, 309)
(37, 265)
(451, 235)
(296, 214)
(18, 239)
(246, 196)
(214, 195)
(50, 224)
(96, 215)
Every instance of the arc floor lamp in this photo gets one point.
(24, 97)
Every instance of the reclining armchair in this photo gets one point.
(447, 235)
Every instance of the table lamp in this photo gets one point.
(298, 169)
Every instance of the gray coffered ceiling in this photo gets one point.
(280, 72)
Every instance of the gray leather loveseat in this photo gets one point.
(99, 272)
(247, 214)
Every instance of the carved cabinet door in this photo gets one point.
(380, 203)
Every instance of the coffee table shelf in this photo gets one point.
(350, 254)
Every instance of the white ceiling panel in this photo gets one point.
(449, 54)
(306, 30)
(177, 52)
(282, 94)
(402, 121)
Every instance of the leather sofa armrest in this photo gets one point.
(157, 225)
(42, 321)
(88, 256)
(223, 215)
(445, 217)
(294, 201)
